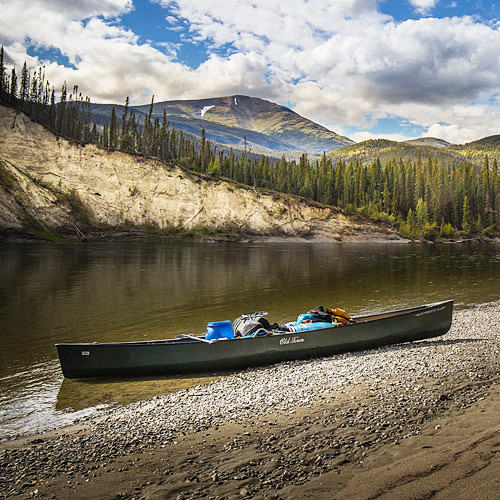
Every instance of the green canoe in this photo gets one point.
(190, 354)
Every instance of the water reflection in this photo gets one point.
(70, 293)
(76, 395)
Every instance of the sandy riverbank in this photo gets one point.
(410, 421)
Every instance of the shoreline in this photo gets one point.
(144, 236)
(277, 432)
(204, 237)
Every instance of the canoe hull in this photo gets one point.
(185, 356)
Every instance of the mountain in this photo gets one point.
(238, 121)
(429, 141)
(386, 150)
(268, 128)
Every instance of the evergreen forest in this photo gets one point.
(422, 198)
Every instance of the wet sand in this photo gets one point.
(457, 456)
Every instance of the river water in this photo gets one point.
(52, 293)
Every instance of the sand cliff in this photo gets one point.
(50, 184)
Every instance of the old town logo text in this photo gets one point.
(291, 340)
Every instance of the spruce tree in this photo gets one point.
(421, 214)
(2, 77)
(113, 132)
(466, 217)
(24, 85)
(202, 150)
(52, 110)
(61, 110)
(124, 128)
(13, 87)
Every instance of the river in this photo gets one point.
(52, 293)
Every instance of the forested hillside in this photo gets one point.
(252, 114)
(476, 151)
(386, 150)
(422, 196)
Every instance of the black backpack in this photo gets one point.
(250, 323)
(320, 314)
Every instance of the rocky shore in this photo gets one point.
(307, 427)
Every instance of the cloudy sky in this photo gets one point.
(363, 68)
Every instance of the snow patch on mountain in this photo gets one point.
(204, 110)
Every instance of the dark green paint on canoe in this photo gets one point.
(188, 355)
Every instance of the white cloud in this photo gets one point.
(454, 133)
(110, 63)
(365, 135)
(423, 6)
(335, 62)
(298, 24)
(340, 62)
(36, 19)
(171, 20)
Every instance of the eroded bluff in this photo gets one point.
(50, 184)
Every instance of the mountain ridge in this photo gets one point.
(240, 121)
(267, 128)
(386, 150)
(429, 141)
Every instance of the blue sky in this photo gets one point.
(363, 68)
(414, 10)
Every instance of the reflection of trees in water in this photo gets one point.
(38, 283)
(38, 271)
(129, 291)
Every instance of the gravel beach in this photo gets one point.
(300, 428)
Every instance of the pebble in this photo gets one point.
(403, 379)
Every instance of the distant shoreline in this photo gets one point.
(149, 237)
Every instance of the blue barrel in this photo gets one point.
(219, 329)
